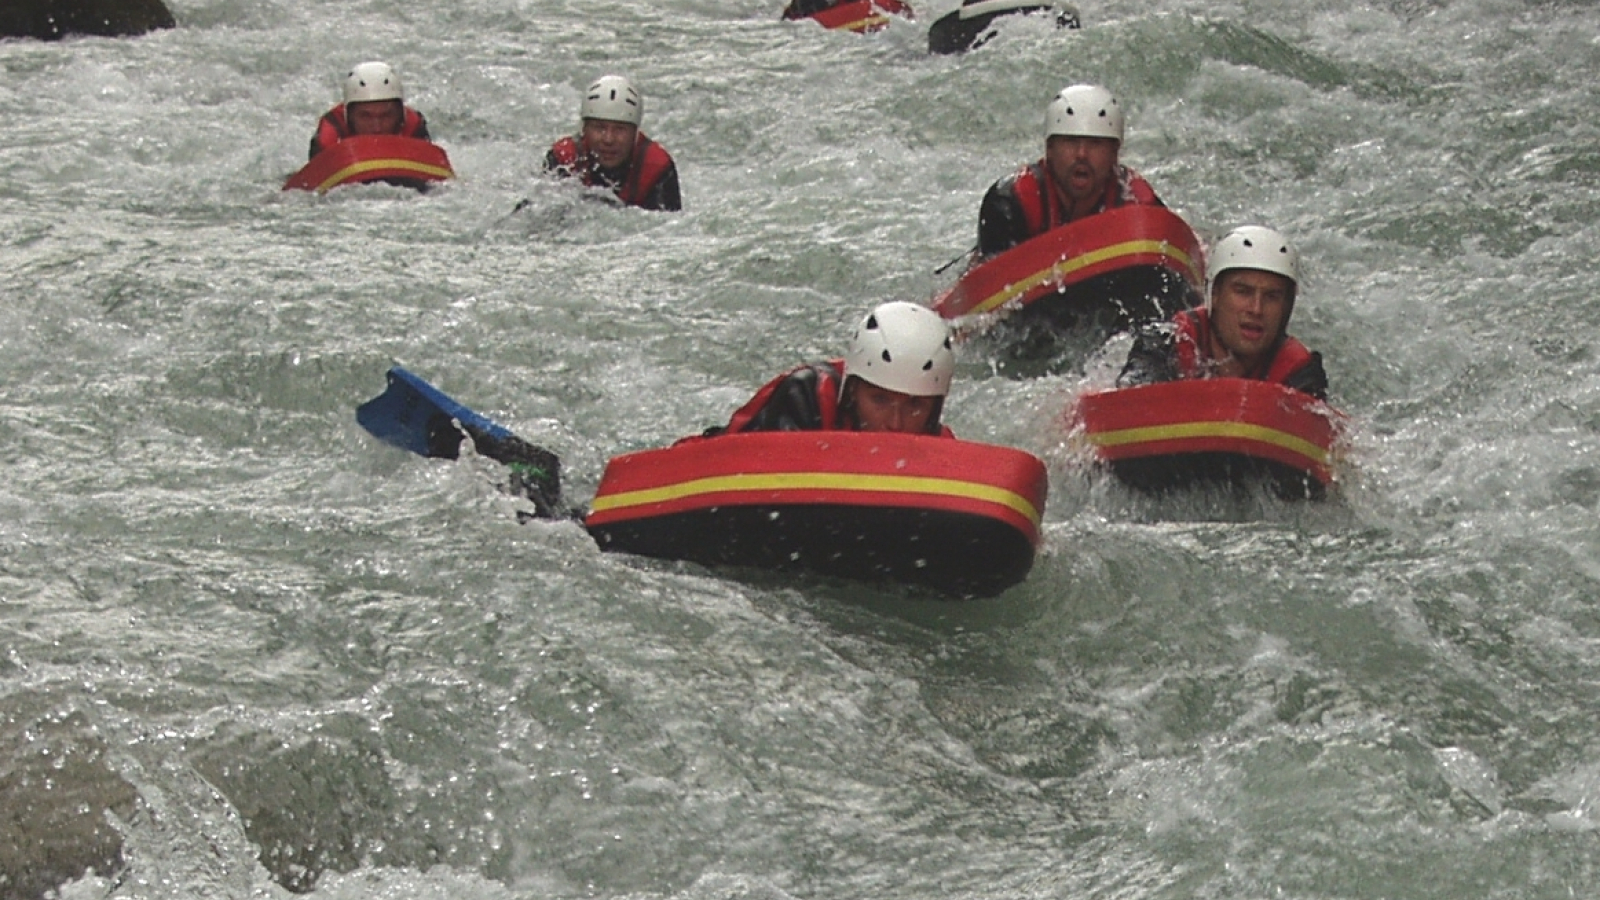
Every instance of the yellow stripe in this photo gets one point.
(339, 177)
(779, 481)
(1212, 429)
(863, 24)
(1066, 267)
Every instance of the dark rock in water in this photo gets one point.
(51, 20)
(323, 804)
(969, 27)
(56, 792)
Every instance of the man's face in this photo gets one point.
(1248, 308)
(1081, 166)
(375, 116)
(610, 142)
(880, 409)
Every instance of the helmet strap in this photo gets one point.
(847, 402)
(933, 418)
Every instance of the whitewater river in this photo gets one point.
(245, 649)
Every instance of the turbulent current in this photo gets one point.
(247, 650)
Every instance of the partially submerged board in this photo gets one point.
(860, 16)
(410, 162)
(1143, 261)
(958, 516)
(1179, 433)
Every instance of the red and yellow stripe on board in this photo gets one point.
(1210, 432)
(870, 23)
(806, 487)
(395, 167)
(1213, 415)
(860, 17)
(1063, 269)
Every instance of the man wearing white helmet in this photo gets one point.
(1242, 331)
(894, 377)
(374, 103)
(1078, 176)
(610, 151)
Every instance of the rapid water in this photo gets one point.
(245, 649)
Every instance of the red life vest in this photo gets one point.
(1044, 208)
(829, 376)
(648, 163)
(1192, 344)
(335, 127)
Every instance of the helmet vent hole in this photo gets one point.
(872, 323)
(927, 366)
(886, 357)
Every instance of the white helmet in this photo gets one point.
(1084, 110)
(903, 347)
(1254, 247)
(372, 81)
(613, 99)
